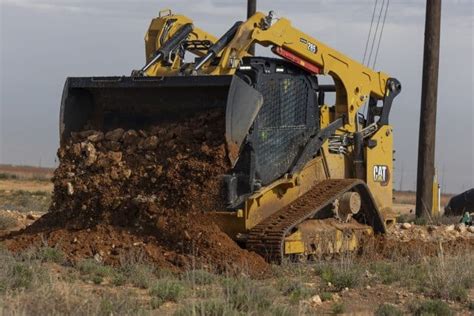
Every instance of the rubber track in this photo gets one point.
(267, 238)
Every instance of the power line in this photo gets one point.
(370, 32)
(381, 32)
(376, 31)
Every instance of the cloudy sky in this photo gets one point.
(44, 41)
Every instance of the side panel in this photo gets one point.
(380, 168)
(271, 199)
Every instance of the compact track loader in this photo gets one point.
(307, 178)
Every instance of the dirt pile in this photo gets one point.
(143, 189)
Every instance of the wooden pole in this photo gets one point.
(429, 93)
(251, 10)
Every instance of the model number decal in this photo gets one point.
(381, 174)
(310, 46)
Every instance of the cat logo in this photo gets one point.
(381, 174)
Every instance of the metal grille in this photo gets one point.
(281, 126)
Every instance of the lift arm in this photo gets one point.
(354, 82)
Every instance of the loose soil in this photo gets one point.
(143, 190)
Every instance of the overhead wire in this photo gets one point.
(376, 32)
(381, 33)
(370, 32)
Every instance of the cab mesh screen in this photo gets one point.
(281, 126)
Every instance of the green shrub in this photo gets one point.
(21, 276)
(7, 222)
(167, 290)
(140, 275)
(199, 277)
(338, 308)
(386, 272)
(8, 176)
(388, 310)
(471, 306)
(458, 293)
(341, 276)
(156, 302)
(119, 304)
(16, 274)
(295, 290)
(49, 254)
(119, 279)
(215, 307)
(246, 295)
(432, 308)
(326, 296)
(92, 267)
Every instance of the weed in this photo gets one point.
(432, 308)
(8, 176)
(326, 296)
(295, 290)
(246, 295)
(94, 271)
(139, 274)
(156, 302)
(7, 222)
(118, 304)
(420, 221)
(50, 254)
(341, 276)
(471, 305)
(119, 279)
(167, 290)
(199, 277)
(386, 272)
(90, 266)
(388, 310)
(215, 307)
(16, 274)
(25, 201)
(338, 308)
(448, 277)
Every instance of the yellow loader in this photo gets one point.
(308, 178)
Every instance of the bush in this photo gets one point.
(338, 308)
(16, 274)
(388, 310)
(8, 176)
(49, 254)
(386, 272)
(433, 308)
(140, 275)
(119, 279)
(326, 296)
(90, 266)
(199, 277)
(214, 307)
(167, 290)
(341, 276)
(7, 222)
(295, 290)
(246, 295)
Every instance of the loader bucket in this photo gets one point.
(106, 103)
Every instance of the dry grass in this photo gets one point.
(25, 201)
(39, 281)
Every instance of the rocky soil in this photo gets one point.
(144, 191)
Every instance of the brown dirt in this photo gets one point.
(383, 247)
(149, 190)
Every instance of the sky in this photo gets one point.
(44, 41)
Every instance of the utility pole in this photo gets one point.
(251, 10)
(429, 93)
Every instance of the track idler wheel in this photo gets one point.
(347, 205)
